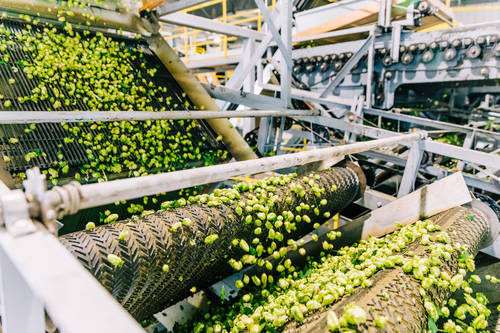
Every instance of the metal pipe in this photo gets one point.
(231, 138)
(95, 195)
(23, 117)
(131, 22)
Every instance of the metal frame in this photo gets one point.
(46, 278)
(38, 274)
(53, 204)
(15, 117)
(34, 281)
(198, 22)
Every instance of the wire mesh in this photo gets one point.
(49, 138)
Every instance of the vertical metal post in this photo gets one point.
(411, 169)
(369, 68)
(265, 132)
(357, 112)
(249, 83)
(248, 50)
(395, 41)
(286, 37)
(286, 68)
(468, 142)
(381, 13)
(22, 310)
(388, 12)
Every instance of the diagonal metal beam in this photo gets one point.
(244, 68)
(348, 66)
(274, 31)
(198, 22)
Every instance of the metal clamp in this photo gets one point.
(53, 204)
(15, 213)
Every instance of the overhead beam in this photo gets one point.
(175, 6)
(198, 22)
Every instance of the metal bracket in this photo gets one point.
(50, 205)
(15, 213)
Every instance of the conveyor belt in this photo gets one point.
(394, 294)
(143, 288)
(49, 138)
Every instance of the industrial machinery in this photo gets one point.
(360, 193)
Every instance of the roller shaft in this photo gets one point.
(141, 285)
(395, 295)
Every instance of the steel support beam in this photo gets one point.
(24, 117)
(468, 155)
(336, 33)
(460, 153)
(286, 66)
(468, 143)
(370, 63)
(274, 30)
(411, 169)
(22, 310)
(176, 6)
(39, 271)
(435, 171)
(349, 65)
(198, 22)
(244, 68)
(431, 123)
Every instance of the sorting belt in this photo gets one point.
(141, 285)
(49, 138)
(394, 294)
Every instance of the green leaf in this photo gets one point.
(431, 324)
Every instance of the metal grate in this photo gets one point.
(49, 138)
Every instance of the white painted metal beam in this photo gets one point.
(28, 117)
(274, 31)
(198, 22)
(175, 6)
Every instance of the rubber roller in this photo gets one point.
(144, 288)
(394, 294)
